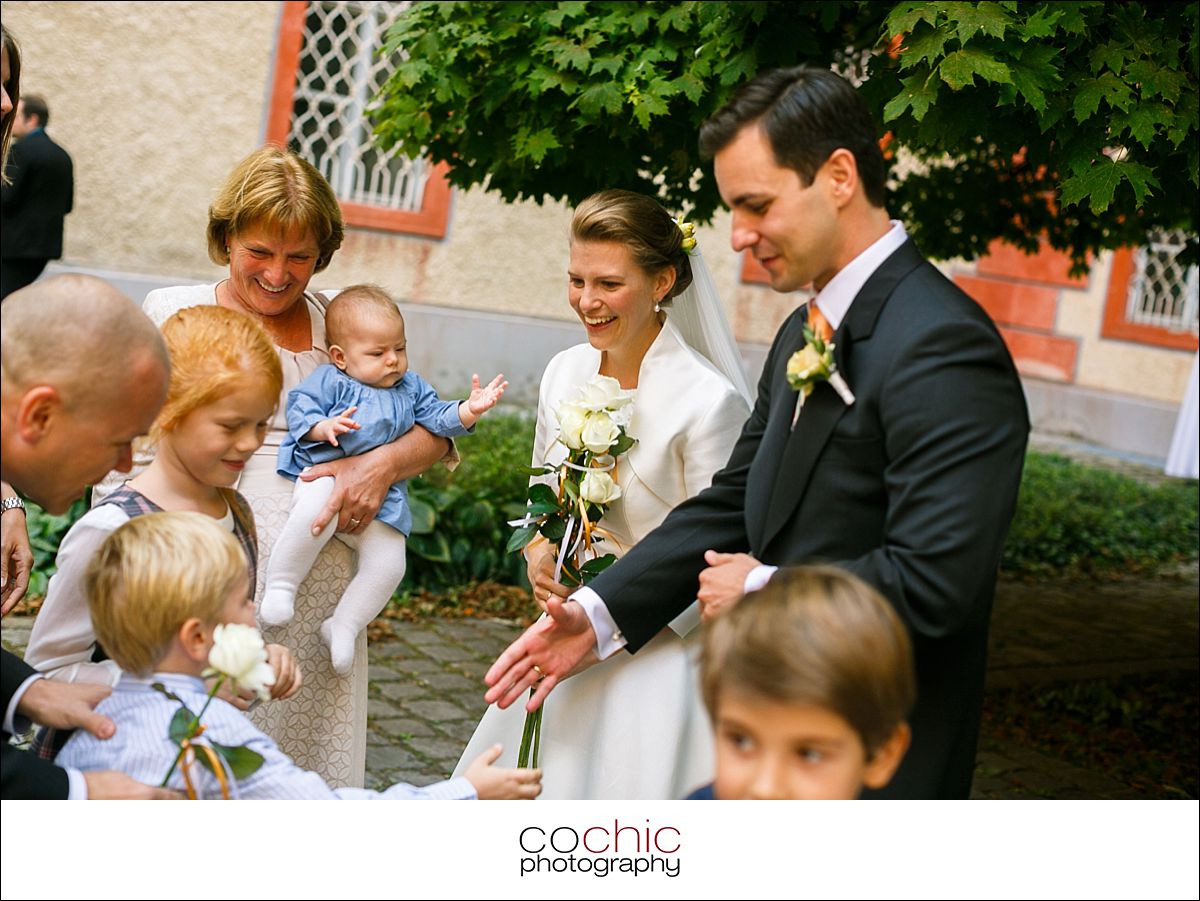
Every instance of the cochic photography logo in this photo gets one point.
(601, 849)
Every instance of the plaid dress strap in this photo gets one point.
(243, 529)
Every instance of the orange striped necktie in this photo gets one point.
(818, 323)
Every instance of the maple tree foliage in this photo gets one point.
(1013, 120)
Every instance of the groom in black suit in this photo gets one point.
(908, 479)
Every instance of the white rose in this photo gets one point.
(622, 416)
(238, 652)
(598, 487)
(599, 433)
(571, 419)
(603, 393)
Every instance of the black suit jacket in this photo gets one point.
(911, 488)
(32, 207)
(23, 775)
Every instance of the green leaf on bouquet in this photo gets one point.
(624, 443)
(542, 494)
(553, 530)
(535, 470)
(242, 761)
(181, 722)
(423, 516)
(595, 566)
(432, 547)
(571, 490)
(521, 537)
(542, 507)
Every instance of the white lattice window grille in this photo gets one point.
(339, 72)
(1163, 292)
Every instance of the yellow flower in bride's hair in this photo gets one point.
(689, 235)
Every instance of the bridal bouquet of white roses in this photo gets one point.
(238, 657)
(592, 427)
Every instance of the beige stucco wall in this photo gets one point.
(1124, 367)
(157, 101)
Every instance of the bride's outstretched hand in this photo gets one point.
(553, 648)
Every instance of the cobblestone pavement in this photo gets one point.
(426, 682)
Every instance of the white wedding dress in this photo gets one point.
(633, 727)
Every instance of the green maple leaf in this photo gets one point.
(741, 68)
(926, 47)
(1142, 122)
(959, 69)
(905, 16)
(604, 96)
(1111, 54)
(1154, 79)
(646, 106)
(1109, 88)
(1034, 74)
(1042, 23)
(691, 86)
(1099, 184)
(919, 92)
(971, 18)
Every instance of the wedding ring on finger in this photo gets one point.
(354, 521)
(537, 669)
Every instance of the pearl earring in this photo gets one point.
(658, 305)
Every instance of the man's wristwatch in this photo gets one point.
(12, 503)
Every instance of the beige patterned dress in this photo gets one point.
(324, 727)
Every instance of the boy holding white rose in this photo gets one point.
(170, 601)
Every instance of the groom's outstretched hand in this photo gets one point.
(556, 646)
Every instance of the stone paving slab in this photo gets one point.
(426, 683)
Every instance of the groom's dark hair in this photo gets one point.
(806, 113)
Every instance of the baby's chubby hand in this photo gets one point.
(328, 429)
(483, 398)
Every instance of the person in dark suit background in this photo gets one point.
(909, 480)
(38, 194)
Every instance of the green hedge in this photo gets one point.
(1072, 521)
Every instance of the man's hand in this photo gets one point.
(558, 645)
(16, 559)
(723, 583)
(67, 705)
(109, 785)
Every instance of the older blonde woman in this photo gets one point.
(275, 223)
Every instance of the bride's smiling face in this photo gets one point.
(614, 296)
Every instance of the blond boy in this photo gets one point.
(157, 589)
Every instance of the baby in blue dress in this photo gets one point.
(365, 399)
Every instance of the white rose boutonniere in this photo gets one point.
(599, 433)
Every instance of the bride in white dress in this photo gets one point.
(634, 728)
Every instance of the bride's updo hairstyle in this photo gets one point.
(641, 224)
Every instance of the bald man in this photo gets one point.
(84, 372)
